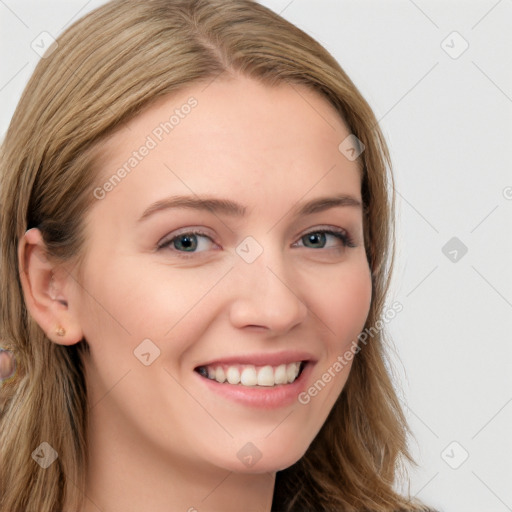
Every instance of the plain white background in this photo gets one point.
(438, 76)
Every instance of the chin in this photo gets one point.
(265, 460)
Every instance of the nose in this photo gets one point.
(265, 296)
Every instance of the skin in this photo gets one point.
(157, 436)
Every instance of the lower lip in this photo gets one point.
(262, 397)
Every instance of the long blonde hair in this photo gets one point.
(107, 68)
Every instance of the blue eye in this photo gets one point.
(188, 242)
(192, 242)
(320, 238)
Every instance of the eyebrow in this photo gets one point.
(233, 209)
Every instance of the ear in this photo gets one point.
(46, 290)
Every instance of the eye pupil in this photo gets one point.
(186, 242)
(316, 239)
(189, 242)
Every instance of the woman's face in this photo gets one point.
(230, 247)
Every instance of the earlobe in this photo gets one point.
(44, 290)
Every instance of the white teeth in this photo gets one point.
(249, 375)
(266, 376)
(220, 376)
(233, 375)
(292, 370)
(280, 375)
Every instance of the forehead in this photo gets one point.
(233, 136)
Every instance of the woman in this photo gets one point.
(194, 270)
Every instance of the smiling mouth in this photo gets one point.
(251, 375)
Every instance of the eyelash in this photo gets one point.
(342, 235)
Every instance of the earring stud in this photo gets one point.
(60, 331)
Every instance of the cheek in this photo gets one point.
(343, 304)
(127, 303)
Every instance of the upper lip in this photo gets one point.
(261, 359)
